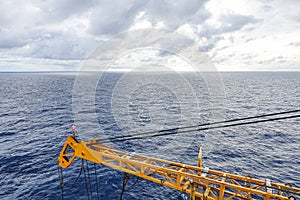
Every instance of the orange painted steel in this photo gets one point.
(197, 181)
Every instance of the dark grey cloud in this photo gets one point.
(233, 22)
(23, 21)
(228, 23)
(8, 41)
(16, 36)
(38, 24)
(32, 19)
(62, 46)
(176, 13)
(57, 10)
(48, 44)
(112, 17)
(210, 43)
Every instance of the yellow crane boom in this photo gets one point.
(196, 181)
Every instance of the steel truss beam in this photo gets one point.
(197, 181)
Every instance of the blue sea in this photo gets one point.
(37, 111)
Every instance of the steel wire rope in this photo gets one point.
(86, 181)
(162, 132)
(89, 179)
(61, 178)
(198, 125)
(97, 184)
(78, 176)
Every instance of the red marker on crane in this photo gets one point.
(73, 128)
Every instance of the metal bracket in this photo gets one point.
(268, 185)
(204, 173)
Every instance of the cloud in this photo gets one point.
(295, 44)
(8, 40)
(232, 22)
(112, 17)
(176, 13)
(63, 46)
(70, 29)
(55, 11)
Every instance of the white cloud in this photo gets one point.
(256, 45)
(238, 35)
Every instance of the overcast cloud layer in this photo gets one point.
(236, 34)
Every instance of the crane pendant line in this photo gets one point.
(197, 181)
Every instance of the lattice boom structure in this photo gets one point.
(198, 182)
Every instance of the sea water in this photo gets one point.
(37, 111)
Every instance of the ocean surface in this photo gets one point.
(37, 111)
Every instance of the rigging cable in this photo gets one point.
(96, 177)
(125, 181)
(62, 184)
(77, 178)
(61, 178)
(138, 179)
(89, 179)
(86, 181)
(165, 132)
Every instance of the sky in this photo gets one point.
(237, 35)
